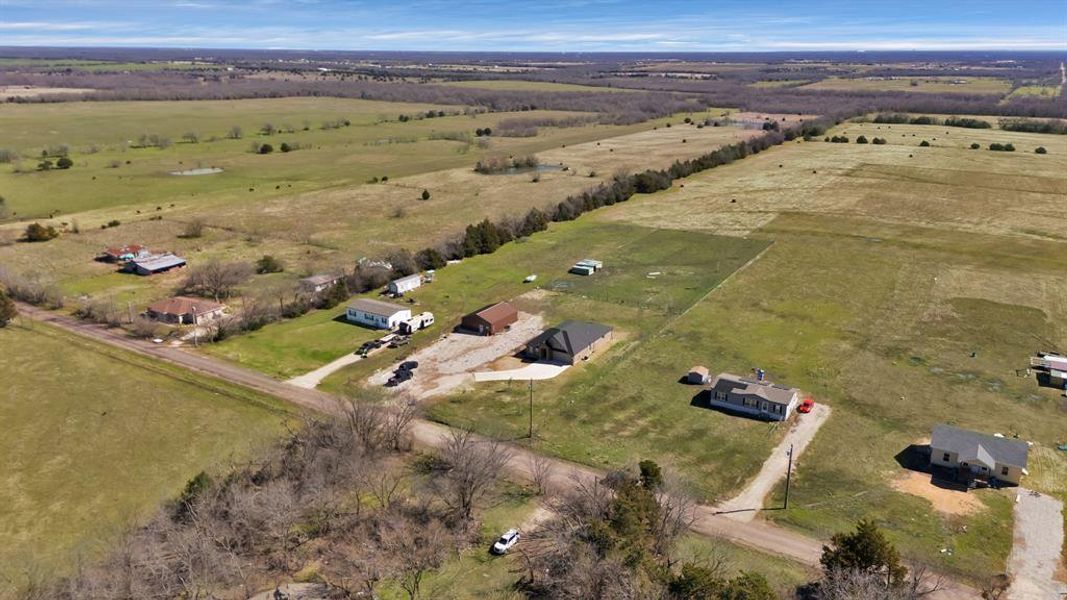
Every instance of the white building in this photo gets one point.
(377, 314)
(404, 284)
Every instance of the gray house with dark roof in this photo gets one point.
(978, 455)
(568, 342)
(760, 399)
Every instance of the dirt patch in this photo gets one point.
(949, 502)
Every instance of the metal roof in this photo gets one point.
(158, 261)
(183, 305)
(376, 307)
(974, 445)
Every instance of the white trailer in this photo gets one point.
(419, 321)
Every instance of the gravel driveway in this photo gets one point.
(1036, 553)
(745, 505)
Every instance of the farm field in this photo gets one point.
(330, 229)
(518, 84)
(97, 439)
(939, 84)
(1042, 91)
(111, 170)
(905, 287)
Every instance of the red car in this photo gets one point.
(806, 406)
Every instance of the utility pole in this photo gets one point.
(530, 434)
(788, 476)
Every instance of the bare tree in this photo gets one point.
(473, 468)
(235, 133)
(216, 279)
(418, 548)
(193, 229)
(399, 416)
(541, 470)
(191, 137)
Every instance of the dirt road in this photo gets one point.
(759, 535)
(745, 505)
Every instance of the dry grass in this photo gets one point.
(952, 85)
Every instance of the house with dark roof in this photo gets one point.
(568, 342)
(761, 399)
(975, 455)
(182, 310)
(491, 319)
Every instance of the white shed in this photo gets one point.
(404, 284)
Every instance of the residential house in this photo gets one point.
(182, 310)
(978, 455)
(491, 319)
(398, 287)
(153, 264)
(318, 283)
(568, 342)
(377, 314)
(760, 399)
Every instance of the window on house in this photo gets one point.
(946, 457)
(1004, 470)
(720, 395)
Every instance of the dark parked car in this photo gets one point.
(408, 365)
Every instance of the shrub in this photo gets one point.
(861, 139)
(266, 149)
(877, 141)
(269, 264)
(1040, 150)
(975, 146)
(35, 232)
(839, 139)
(285, 147)
(1034, 126)
(967, 122)
(924, 144)
(425, 195)
(193, 229)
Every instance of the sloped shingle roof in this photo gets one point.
(973, 445)
(572, 337)
(732, 384)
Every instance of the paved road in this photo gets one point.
(759, 535)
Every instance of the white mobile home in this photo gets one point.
(377, 314)
(404, 284)
(974, 455)
(757, 398)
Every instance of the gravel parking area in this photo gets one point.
(448, 362)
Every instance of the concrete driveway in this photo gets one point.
(526, 373)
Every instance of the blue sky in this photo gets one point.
(540, 25)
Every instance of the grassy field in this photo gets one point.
(96, 439)
(968, 85)
(1042, 91)
(312, 231)
(905, 287)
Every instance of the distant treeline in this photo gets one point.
(966, 122)
(1034, 126)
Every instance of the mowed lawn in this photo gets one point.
(95, 439)
(906, 287)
